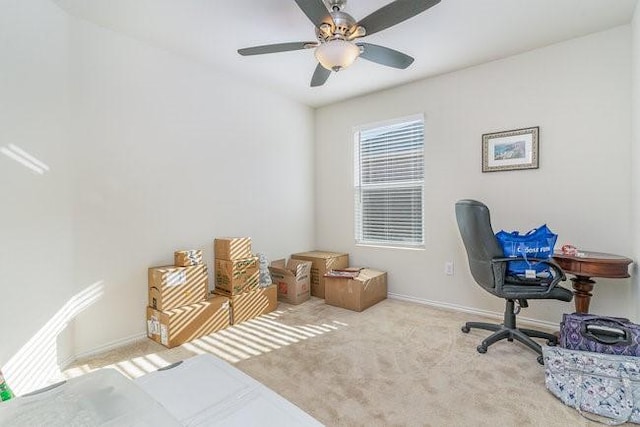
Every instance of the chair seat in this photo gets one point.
(535, 292)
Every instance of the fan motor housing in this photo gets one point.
(344, 24)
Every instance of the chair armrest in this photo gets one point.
(558, 274)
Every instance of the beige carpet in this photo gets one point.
(395, 364)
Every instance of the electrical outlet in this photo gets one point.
(448, 268)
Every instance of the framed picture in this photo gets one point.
(510, 150)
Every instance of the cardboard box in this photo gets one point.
(292, 280)
(188, 258)
(183, 324)
(232, 248)
(234, 277)
(357, 294)
(249, 305)
(321, 263)
(171, 287)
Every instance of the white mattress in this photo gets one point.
(205, 391)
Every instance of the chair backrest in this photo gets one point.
(479, 240)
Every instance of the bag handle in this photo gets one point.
(526, 259)
(606, 335)
(626, 383)
(543, 228)
(619, 320)
(527, 234)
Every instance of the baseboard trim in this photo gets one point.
(101, 349)
(464, 309)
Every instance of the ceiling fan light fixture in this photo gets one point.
(337, 54)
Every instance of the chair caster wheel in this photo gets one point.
(481, 349)
(541, 360)
(552, 343)
(465, 329)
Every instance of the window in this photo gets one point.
(389, 184)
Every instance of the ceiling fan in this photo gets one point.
(336, 31)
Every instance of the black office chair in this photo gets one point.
(489, 269)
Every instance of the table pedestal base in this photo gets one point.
(588, 265)
(582, 287)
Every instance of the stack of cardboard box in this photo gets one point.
(237, 278)
(180, 309)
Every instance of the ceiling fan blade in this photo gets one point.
(320, 76)
(315, 11)
(385, 56)
(394, 13)
(273, 48)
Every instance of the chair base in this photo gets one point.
(509, 331)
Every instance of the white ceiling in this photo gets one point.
(452, 35)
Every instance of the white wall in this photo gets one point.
(148, 153)
(635, 149)
(36, 242)
(577, 92)
(170, 154)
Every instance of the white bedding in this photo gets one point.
(205, 391)
(104, 398)
(202, 391)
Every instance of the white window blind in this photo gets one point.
(389, 184)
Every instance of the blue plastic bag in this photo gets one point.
(537, 243)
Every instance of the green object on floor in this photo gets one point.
(5, 391)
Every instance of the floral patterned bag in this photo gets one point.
(595, 383)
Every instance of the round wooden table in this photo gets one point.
(591, 264)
